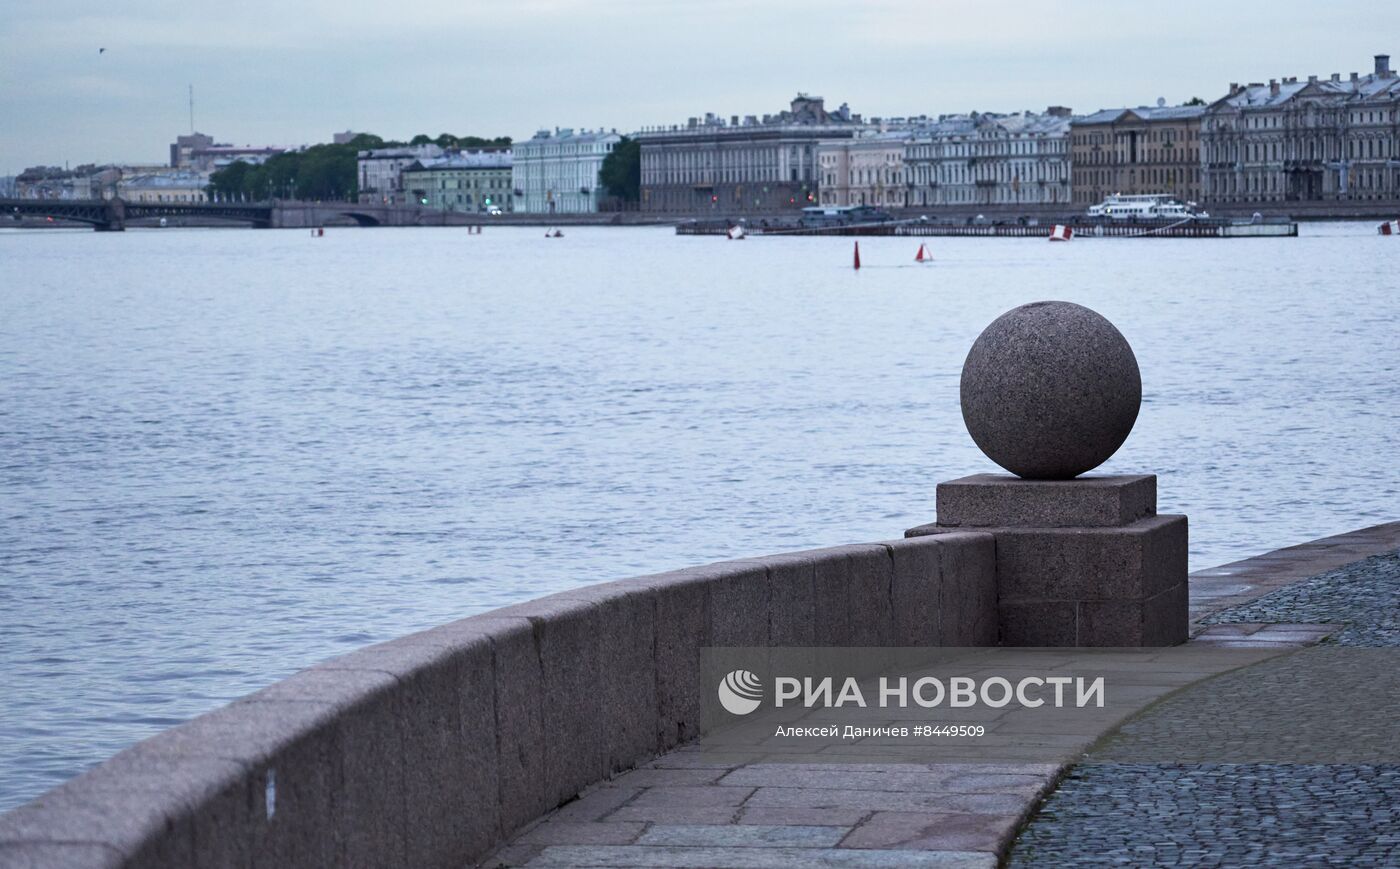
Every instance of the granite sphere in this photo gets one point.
(1050, 390)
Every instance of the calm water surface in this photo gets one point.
(228, 454)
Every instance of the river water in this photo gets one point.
(228, 454)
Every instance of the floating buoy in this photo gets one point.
(1390, 227)
(1060, 232)
(923, 256)
(318, 231)
(857, 260)
(558, 234)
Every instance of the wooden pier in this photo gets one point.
(1196, 228)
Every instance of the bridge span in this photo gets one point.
(112, 215)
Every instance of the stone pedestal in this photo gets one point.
(1085, 562)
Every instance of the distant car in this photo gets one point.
(494, 210)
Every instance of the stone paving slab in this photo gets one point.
(745, 836)
(945, 831)
(757, 858)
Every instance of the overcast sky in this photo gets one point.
(294, 71)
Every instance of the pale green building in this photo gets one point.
(474, 182)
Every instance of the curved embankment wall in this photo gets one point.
(430, 749)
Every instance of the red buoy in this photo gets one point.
(923, 256)
(857, 265)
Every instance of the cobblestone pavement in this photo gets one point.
(1363, 597)
(1233, 814)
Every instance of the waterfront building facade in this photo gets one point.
(769, 164)
(472, 182)
(1319, 140)
(182, 186)
(1148, 149)
(380, 171)
(866, 169)
(81, 182)
(990, 159)
(557, 172)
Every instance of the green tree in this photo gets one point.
(365, 142)
(327, 172)
(621, 173)
(1195, 101)
(321, 171)
(227, 183)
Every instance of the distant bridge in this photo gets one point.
(112, 215)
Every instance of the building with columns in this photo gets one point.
(990, 159)
(1321, 140)
(557, 173)
(866, 169)
(763, 165)
(1148, 149)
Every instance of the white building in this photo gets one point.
(179, 186)
(710, 166)
(865, 170)
(1319, 140)
(991, 159)
(381, 171)
(557, 173)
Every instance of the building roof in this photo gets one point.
(1362, 88)
(166, 180)
(402, 151)
(806, 112)
(568, 134)
(1145, 113)
(468, 160)
(993, 125)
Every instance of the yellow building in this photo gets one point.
(1137, 151)
(865, 170)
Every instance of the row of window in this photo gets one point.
(1172, 134)
(1109, 177)
(941, 150)
(1027, 195)
(1373, 148)
(1370, 181)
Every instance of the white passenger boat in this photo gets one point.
(1147, 206)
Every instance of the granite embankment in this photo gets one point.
(433, 749)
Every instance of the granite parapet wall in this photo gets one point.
(430, 749)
